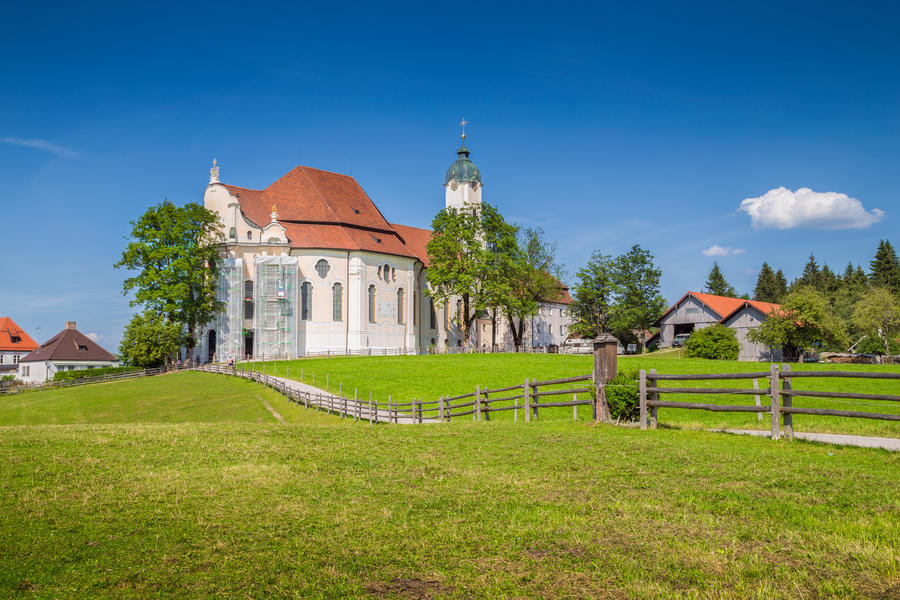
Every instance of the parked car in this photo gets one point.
(680, 340)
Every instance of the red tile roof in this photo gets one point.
(416, 239)
(563, 298)
(8, 331)
(321, 209)
(723, 305)
(69, 344)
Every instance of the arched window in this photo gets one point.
(401, 306)
(322, 268)
(386, 271)
(433, 313)
(337, 300)
(372, 303)
(248, 299)
(459, 315)
(447, 316)
(306, 301)
(415, 308)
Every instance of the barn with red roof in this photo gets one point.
(696, 310)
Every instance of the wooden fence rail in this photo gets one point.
(105, 378)
(779, 390)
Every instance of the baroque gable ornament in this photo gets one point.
(214, 173)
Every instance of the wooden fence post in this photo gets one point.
(477, 403)
(756, 399)
(773, 390)
(516, 409)
(535, 399)
(788, 401)
(486, 406)
(606, 354)
(441, 408)
(653, 396)
(574, 407)
(370, 409)
(391, 412)
(356, 401)
(643, 389)
(527, 394)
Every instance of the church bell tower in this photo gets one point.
(462, 184)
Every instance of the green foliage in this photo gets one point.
(878, 314)
(84, 373)
(873, 344)
(886, 267)
(624, 397)
(768, 286)
(806, 321)
(616, 295)
(175, 254)
(715, 342)
(716, 283)
(473, 255)
(149, 341)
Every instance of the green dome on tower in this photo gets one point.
(463, 170)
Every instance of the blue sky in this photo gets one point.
(605, 125)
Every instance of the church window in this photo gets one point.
(248, 299)
(459, 313)
(337, 293)
(249, 235)
(415, 308)
(433, 313)
(447, 315)
(232, 233)
(387, 273)
(306, 301)
(371, 304)
(274, 240)
(322, 268)
(401, 306)
(393, 274)
(379, 271)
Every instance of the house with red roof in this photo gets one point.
(696, 310)
(312, 265)
(68, 350)
(14, 344)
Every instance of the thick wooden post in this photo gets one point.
(773, 390)
(788, 400)
(527, 394)
(654, 396)
(643, 388)
(606, 354)
(574, 407)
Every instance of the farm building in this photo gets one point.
(68, 350)
(696, 310)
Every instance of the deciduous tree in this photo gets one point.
(878, 314)
(150, 341)
(638, 301)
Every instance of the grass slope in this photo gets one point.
(173, 398)
(429, 377)
(487, 510)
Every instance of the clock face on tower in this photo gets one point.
(474, 186)
(454, 185)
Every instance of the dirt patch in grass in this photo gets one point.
(414, 589)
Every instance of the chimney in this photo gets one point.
(70, 324)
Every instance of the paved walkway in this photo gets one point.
(829, 438)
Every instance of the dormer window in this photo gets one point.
(356, 211)
(82, 348)
(15, 339)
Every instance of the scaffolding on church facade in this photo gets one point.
(276, 306)
(229, 336)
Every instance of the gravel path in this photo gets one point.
(830, 438)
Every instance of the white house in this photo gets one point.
(14, 345)
(68, 350)
(312, 265)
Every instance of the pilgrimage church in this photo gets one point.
(312, 266)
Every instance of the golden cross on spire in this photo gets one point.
(463, 123)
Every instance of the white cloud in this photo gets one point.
(717, 250)
(95, 336)
(40, 144)
(781, 208)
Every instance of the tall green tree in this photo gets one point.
(535, 279)
(781, 285)
(767, 285)
(885, 267)
(878, 314)
(812, 274)
(593, 297)
(472, 256)
(638, 301)
(150, 341)
(716, 283)
(805, 321)
(174, 253)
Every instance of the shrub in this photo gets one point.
(82, 373)
(717, 342)
(624, 402)
(875, 345)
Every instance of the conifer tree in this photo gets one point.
(886, 267)
(716, 283)
(812, 274)
(781, 285)
(766, 285)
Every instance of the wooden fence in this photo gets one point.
(107, 377)
(779, 390)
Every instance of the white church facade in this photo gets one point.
(312, 266)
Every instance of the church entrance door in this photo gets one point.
(248, 345)
(211, 338)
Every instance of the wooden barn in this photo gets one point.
(696, 310)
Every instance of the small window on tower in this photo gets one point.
(249, 235)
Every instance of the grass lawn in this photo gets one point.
(172, 398)
(429, 377)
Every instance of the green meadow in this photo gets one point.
(186, 485)
(430, 377)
